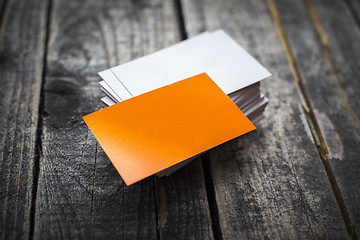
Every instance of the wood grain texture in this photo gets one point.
(22, 44)
(80, 194)
(2, 8)
(326, 44)
(340, 36)
(270, 183)
(183, 205)
(354, 8)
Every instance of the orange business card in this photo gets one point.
(153, 131)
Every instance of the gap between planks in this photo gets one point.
(156, 201)
(211, 196)
(329, 59)
(38, 142)
(209, 184)
(3, 8)
(180, 19)
(321, 146)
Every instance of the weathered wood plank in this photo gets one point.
(22, 44)
(325, 42)
(80, 193)
(270, 183)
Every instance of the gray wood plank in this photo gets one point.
(326, 44)
(80, 193)
(270, 183)
(22, 44)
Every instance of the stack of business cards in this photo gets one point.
(160, 129)
(234, 70)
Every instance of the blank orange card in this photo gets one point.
(155, 130)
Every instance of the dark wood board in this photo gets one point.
(327, 59)
(22, 44)
(80, 193)
(270, 183)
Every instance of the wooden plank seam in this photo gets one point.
(211, 196)
(157, 206)
(180, 19)
(329, 58)
(321, 146)
(39, 140)
(209, 184)
(3, 8)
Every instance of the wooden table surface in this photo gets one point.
(297, 176)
